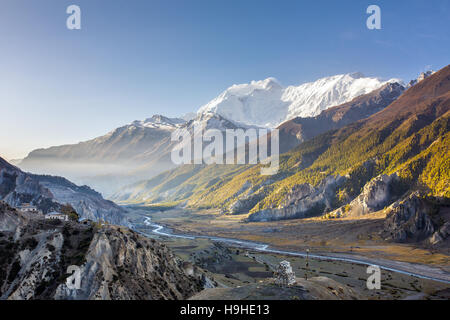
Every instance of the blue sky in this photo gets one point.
(134, 58)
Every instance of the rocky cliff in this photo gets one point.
(416, 218)
(114, 262)
(302, 201)
(375, 195)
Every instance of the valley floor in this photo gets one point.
(355, 239)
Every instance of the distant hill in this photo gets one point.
(50, 192)
(109, 160)
(127, 154)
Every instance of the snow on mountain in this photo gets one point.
(258, 103)
(210, 120)
(189, 116)
(142, 149)
(135, 151)
(105, 161)
(268, 103)
(159, 122)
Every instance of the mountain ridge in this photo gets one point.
(258, 102)
(141, 149)
(410, 137)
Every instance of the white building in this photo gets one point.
(27, 207)
(57, 216)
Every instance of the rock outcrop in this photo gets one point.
(376, 194)
(441, 235)
(121, 265)
(246, 202)
(114, 262)
(409, 219)
(302, 201)
(420, 78)
(317, 288)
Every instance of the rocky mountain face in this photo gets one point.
(303, 200)
(415, 218)
(115, 263)
(297, 130)
(441, 236)
(420, 78)
(48, 193)
(375, 195)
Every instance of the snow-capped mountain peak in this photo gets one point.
(159, 122)
(250, 103)
(242, 89)
(267, 103)
(211, 120)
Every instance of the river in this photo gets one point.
(393, 266)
